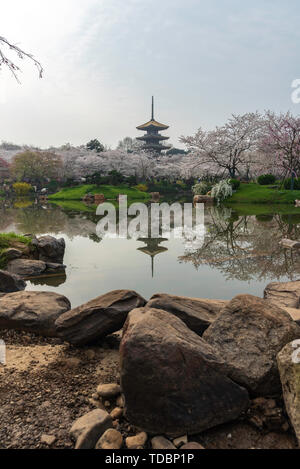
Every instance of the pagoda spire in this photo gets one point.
(152, 115)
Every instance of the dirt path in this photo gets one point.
(45, 386)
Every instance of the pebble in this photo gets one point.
(133, 442)
(109, 390)
(182, 440)
(160, 442)
(111, 439)
(117, 413)
(192, 445)
(48, 440)
(120, 401)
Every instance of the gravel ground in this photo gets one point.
(46, 385)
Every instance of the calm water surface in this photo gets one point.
(240, 254)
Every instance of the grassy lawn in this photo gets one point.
(11, 240)
(256, 194)
(109, 192)
(263, 209)
(74, 205)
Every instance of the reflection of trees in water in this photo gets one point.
(247, 247)
(36, 219)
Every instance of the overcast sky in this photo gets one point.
(103, 60)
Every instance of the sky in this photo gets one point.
(203, 60)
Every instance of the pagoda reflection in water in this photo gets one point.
(152, 249)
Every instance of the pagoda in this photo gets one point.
(152, 138)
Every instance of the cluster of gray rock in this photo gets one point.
(43, 256)
(98, 428)
(187, 364)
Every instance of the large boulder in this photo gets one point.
(50, 249)
(289, 369)
(196, 313)
(284, 294)
(10, 283)
(294, 313)
(98, 318)
(172, 380)
(27, 268)
(248, 335)
(32, 311)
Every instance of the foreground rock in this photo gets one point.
(286, 294)
(50, 249)
(172, 380)
(10, 283)
(203, 199)
(248, 335)
(27, 268)
(197, 314)
(289, 368)
(32, 311)
(294, 313)
(87, 430)
(98, 318)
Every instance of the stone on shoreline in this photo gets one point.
(12, 253)
(198, 314)
(87, 430)
(284, 294)
(27, 268)
(50, 249)
(98, 318)
(172, 380)
(294, 313)
(32, 311)
(289, 369)
(10, 283)
(248, 335)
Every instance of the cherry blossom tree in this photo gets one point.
(281, 142)
(227, 148)
(129, 145)
(6, 61)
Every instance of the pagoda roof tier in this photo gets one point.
(156, 146)
(152, 137)
(153, 125)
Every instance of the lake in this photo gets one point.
(240, 253)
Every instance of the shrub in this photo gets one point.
(222, 191)
(202, 188)
(22, 188)
(235, 183)
(142, 187)
(164, 187)
(288, 184)
(266, 180)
